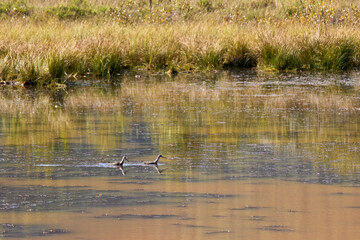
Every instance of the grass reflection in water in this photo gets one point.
(264, 126)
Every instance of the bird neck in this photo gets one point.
(157, 159)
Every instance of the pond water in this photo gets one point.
(249, 155)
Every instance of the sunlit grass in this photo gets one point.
(47, 42)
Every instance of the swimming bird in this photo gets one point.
(156, 160)
(121, 162)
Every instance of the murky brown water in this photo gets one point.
(249, 156)
(250, 209)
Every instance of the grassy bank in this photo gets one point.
(47, 43)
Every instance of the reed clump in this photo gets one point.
(75, 9)
(319, 54)
(49, 42)
(16, 8)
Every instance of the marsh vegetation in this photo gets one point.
(49, 42)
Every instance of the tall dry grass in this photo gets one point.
(44, 43)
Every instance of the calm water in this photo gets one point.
(249, 155)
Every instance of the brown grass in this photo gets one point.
(243, 34)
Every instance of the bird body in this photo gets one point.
(156, 160)
(121, 162)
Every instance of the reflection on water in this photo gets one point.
(241, 151)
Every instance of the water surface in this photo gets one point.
(250, 155)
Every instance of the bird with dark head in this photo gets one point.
(121, 162)
(155, 162)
